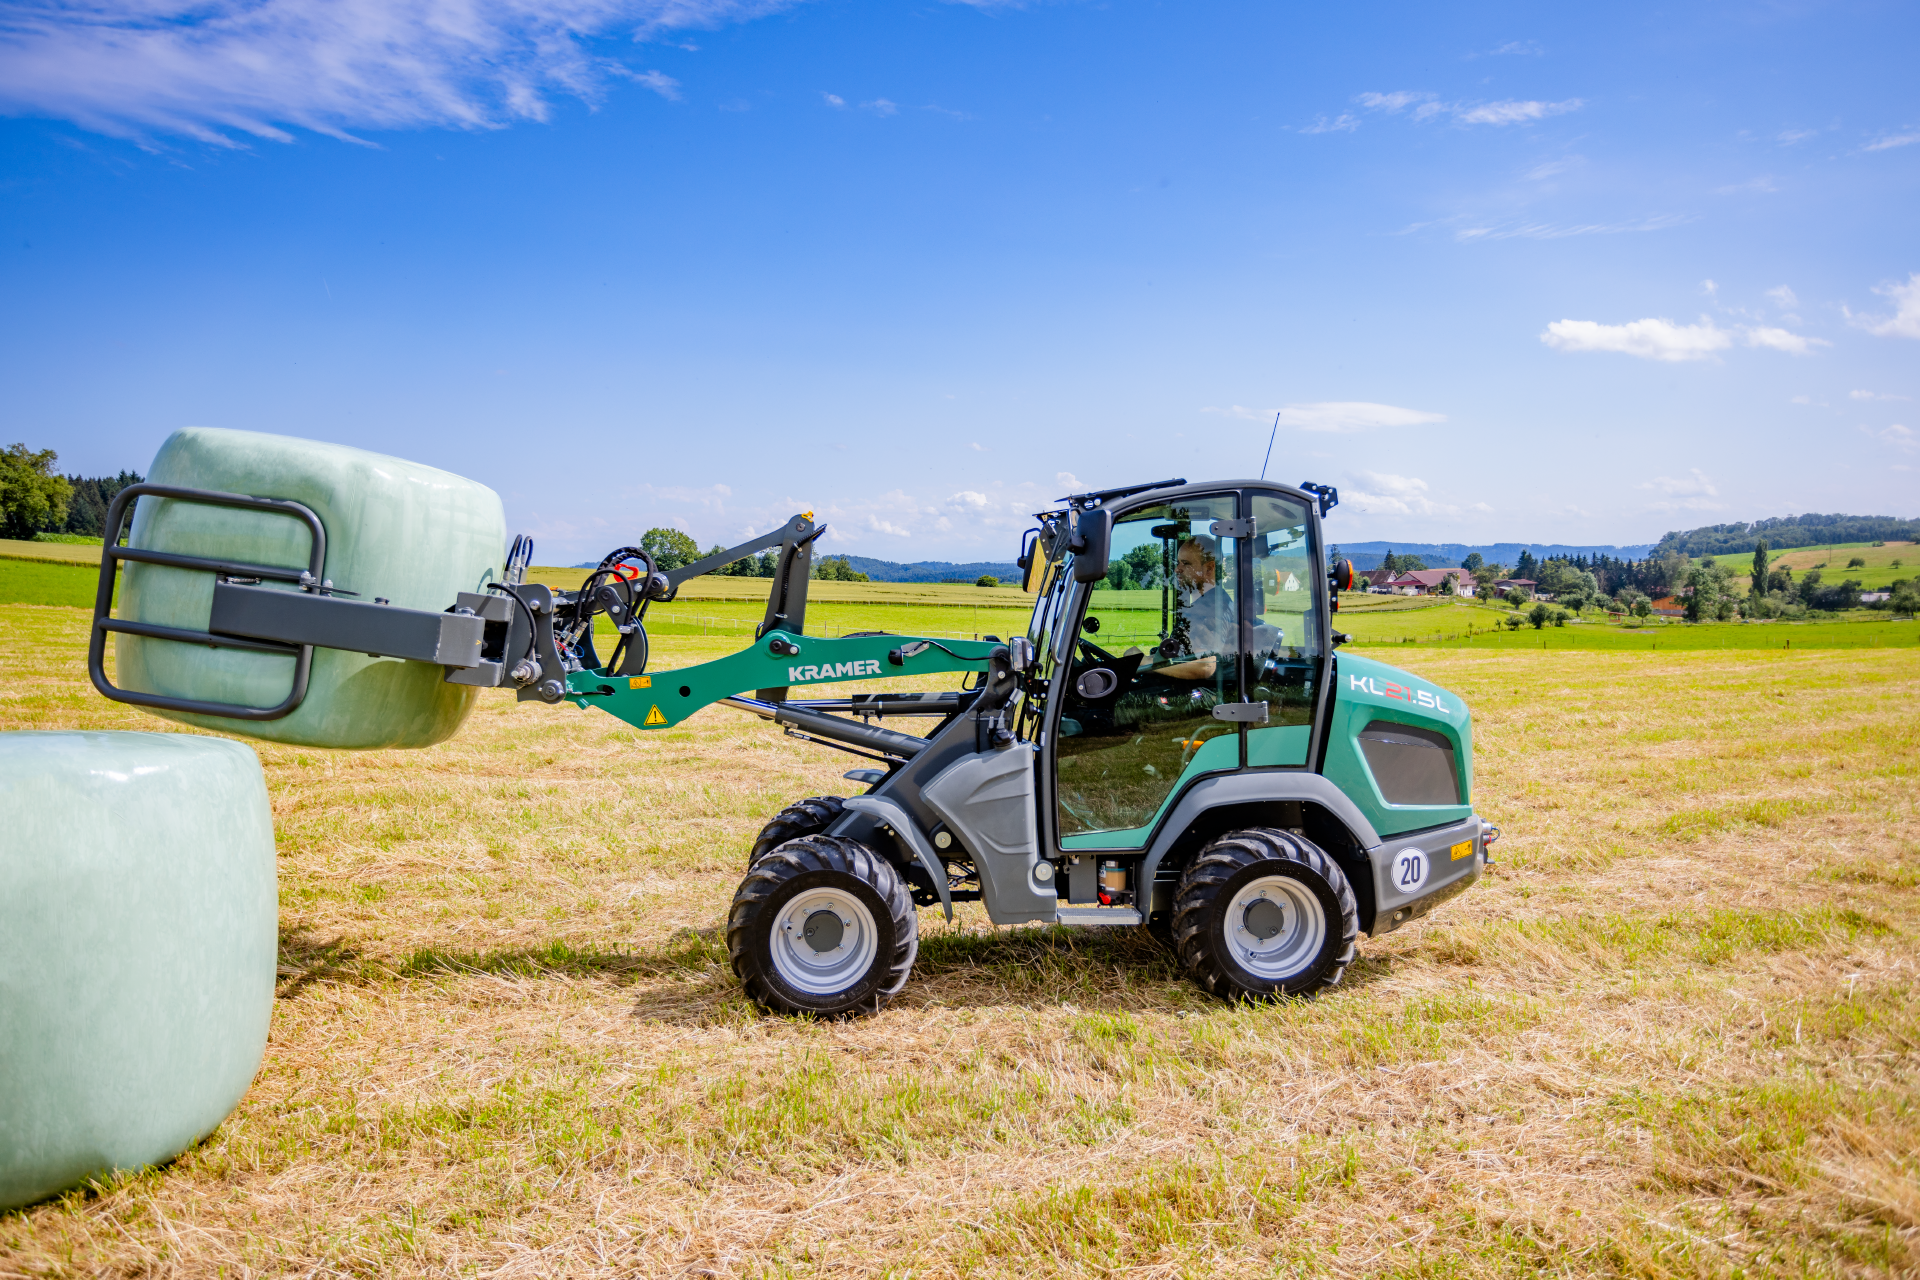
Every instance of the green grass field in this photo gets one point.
(48, 581)
(835, 608)
(1674, 1032)
(1880, 571)
(63, 552)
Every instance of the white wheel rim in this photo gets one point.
(1292, 917)
(823, 941)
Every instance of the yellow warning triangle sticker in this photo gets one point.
(654, 717)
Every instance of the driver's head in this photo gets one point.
(1198, 562)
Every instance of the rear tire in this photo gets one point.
(1263, 913)
(801, 818)
(822, 926)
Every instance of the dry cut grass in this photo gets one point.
(1673, 1033)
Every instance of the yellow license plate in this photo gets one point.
(1462, 850)
(639, 682)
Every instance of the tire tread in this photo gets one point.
(801, 818)
(790, 859)
(1222, 861)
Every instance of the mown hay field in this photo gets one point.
(1673, 1032)
(1885, 564)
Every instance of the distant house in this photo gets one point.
(1669, 607)
(1875, 597)
(1427, 582)
(1505, 585)
(1377, 577)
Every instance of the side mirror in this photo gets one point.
(1020, 654)
(1032, 562)
(1342, 575)
(1092, 534)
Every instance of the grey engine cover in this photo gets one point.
(987, 801)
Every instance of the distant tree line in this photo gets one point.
(35, 498)
(1786, 532)
(1708, 589)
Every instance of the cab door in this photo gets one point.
(1286, 628)
(1158, 649)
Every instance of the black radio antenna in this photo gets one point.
(1270, 435)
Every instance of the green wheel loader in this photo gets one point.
(1175, 743)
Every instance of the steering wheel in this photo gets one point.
(1098, 654)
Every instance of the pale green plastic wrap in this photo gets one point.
(138, 947)
(414, 535)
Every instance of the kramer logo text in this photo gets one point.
(834, 671)
(1387, 689)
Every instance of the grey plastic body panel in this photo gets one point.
(1443, 877)
(1254, 787)
(902, 823)
(987, 800)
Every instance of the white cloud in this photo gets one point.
(882, 107)
(1803, 400)
(834, 100)
(1905, 321)
(211, 69)
(1335, 415)
(1872, 395)
(1691, 492)
(879, 525)
(1394, 102)
(1353, 415)
(1709, 288)
(968, 498)
(1783, 297)
(977, 447)
(664, 85)
(1649, 339)
(1896, 435)
(1383, 493)
(1343, 123)
(1654, 339)
(1892, 141)
(1540, 172)
(1561, 231)
(1068, 481)
(1426, 106)
(1781, 340)
(1514, 112)
(1787, 137)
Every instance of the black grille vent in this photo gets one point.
(1411, 766)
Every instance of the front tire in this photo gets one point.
(801, 818)
(1263, 913)
(822, 926)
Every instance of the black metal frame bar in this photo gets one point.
(111, 554)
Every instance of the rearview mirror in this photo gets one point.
(1033, 563)
(1092, 533)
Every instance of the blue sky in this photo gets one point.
(1505, 272)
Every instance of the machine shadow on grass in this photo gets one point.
(1036, 966)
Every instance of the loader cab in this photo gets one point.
(1214, 594)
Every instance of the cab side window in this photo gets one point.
(1158, 649)
(1285, 650)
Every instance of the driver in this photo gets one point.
(1206, 611)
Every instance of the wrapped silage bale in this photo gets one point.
(138, 949)
(411, 534)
